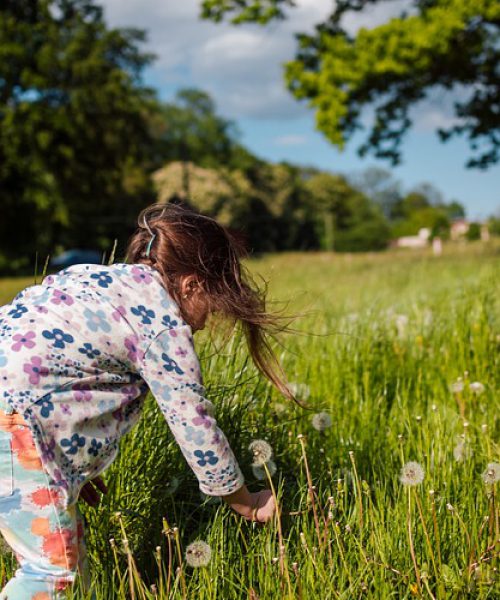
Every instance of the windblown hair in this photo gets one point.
(189, 243)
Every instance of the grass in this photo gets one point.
(382, 339)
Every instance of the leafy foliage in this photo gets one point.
(243, 11)
(73, 126)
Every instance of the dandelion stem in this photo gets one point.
(426, 534)
(311, 490)
(412, 550)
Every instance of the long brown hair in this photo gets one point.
(188, 243)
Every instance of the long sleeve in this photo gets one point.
(171, 369)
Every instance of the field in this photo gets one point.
(388, 346)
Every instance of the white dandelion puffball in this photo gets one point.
(401, 323)
(457, 387)
(198, 554)
(279, 408)
(262, 452)
(260, 472)
(321, 421)
(172, 486)
(492, 473)
(477, 388)
(459, 451)
(412, 473)
(300, 390)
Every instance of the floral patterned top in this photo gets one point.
(78, 354)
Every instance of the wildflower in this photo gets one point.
(412, 473)
(476, 388)
(198, 554)
(172, 486)
(321, 421)
(300, 390)
(279, 408)
(262, 452)
(401, 322)
(492, 473)
(459, 451)
(458, 386)
(260, 472)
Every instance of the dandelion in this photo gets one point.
(412, 473)
(172, 486)
(492, 473)
(260, 472)
(321, 421)
(458, 386)
(476, 388)
(300, 390)
(459, 451)
(279, 408)
(198, 554)
(401, 322)
(262, 452)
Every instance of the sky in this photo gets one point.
(241, 68)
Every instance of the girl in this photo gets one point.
(78, 354)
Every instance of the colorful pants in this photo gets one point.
(45, 535)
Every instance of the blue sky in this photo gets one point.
(240, 67)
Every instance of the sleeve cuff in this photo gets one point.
(224, 489)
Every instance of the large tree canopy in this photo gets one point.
(447, 44)
(73, 126)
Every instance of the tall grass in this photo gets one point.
(383, 337)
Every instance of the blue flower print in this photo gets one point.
(195, 435)
(171, 365)
(167, 321)
(146, 314)
(96, 320)
(210, 459)
(47, 406)
(95, 446)
(18, 311)
(3, 359)
(76, 441)
(103, 279)
(89, 351)
(60, 338)
(161, 392)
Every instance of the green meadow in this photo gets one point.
(400, 350)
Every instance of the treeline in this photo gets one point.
(84, 145)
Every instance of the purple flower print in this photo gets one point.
(141, 276)
(181, 352)
(35, 370)
(41, 309)
(48, 450)
(60, 338)
(135, 354)
(66, 409)
(81, 392)
(119, 313)
(23, 340)
(61, 297)
(130, 392)
(202, 418)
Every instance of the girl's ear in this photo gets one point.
(189, 285)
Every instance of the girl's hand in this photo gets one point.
(258, 506)
(89, 494)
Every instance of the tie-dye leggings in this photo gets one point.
(45, 535)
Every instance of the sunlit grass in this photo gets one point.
(383, 338)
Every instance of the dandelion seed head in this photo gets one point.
(279, 408)
(198, 554)
(321, 421)
(260, 472)
(459, 451)
(458, 386)
(476, 388)
(172, 485)
(262, 452)
(492, 473)
(412, 473)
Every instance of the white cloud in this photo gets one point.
(290, 140)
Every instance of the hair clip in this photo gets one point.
(150, 243)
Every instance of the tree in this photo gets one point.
(189, 130)
(380, 186)
(73, 128)
(439, 44)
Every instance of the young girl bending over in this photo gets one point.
(78, 354)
